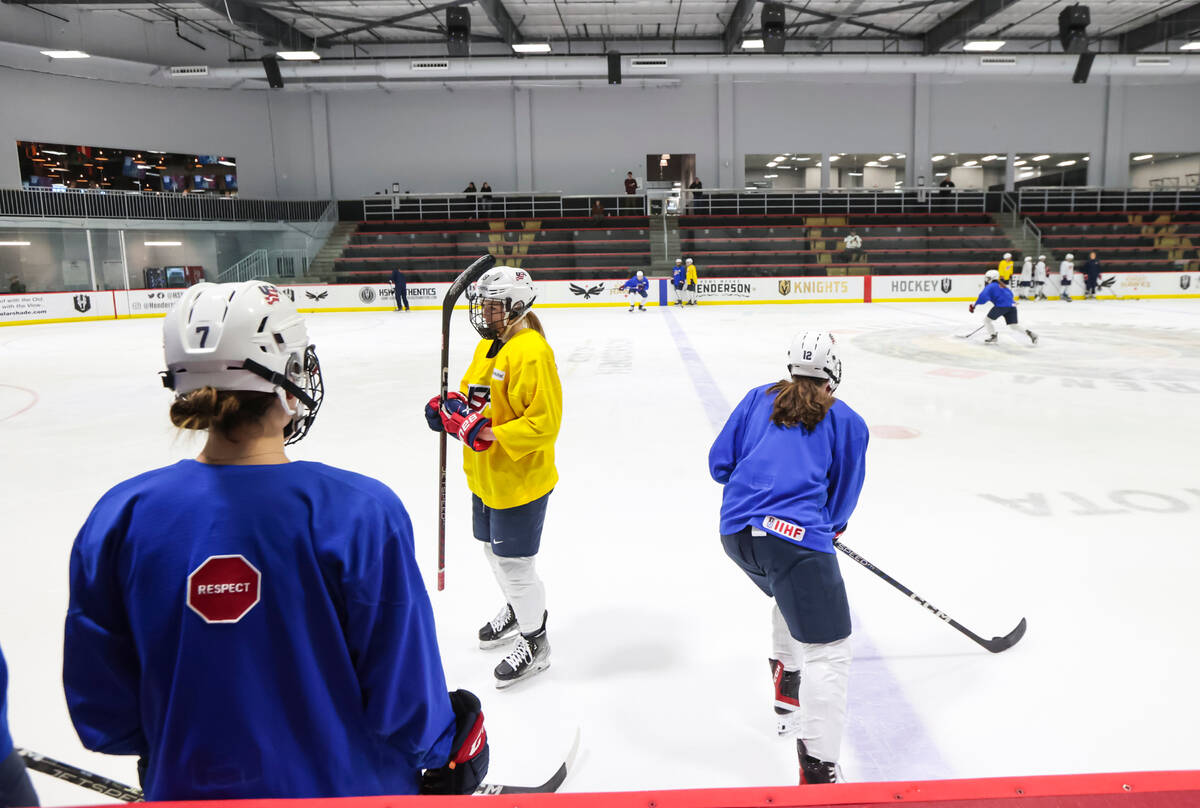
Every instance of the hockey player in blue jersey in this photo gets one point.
(637, 286)
(792, 460)
(250, 626)
(996, 292)
(678, 276)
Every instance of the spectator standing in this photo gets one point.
(400, 285)
(1091, 270)
(15, 788)
(471, 203)
(631, 188)
(697, 190)
(485, 196)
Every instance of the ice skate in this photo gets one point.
(499, 630)
(530, 655)
(787, 703)
(641, 307)
(991, 340)
(1033, 338)
(813, 771)
(631, 307)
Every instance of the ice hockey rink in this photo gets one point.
(1056, 483)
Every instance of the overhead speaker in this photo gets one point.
(458, 31)
(1072, 28)
(773, 35)
(271, 68)
(614, 67)
(1083, 67)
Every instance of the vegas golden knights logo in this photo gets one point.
(785, 287)
(518, 249)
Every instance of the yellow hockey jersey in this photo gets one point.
(691, 274)
(1005, 270)
(518, 388)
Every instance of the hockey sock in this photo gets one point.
(522, 587)
(823, 697)
(784, 647)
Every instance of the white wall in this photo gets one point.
(581, 139)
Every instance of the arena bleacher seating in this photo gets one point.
(1146, 241)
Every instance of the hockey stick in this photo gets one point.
(120, 791)
(995, 644)
(460, 284)
(968, 336)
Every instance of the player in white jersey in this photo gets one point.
(1039, 279)
(1026, 278)
(1066, 273)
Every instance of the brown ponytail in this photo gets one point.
(803, 400)
(530, 320)
(226, 412)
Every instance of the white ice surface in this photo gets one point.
(1028, 488)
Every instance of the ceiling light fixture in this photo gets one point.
(983, 45)
(14, 243)
(971, 163)
(1190, 46)
(1144, 157)
(163, 243)
(65, 54)
(937, 157)
(1042, 157)
(1066, 163)
(531, 47)
(299, 56)
(752, 44)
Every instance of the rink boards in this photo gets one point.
(57, 307)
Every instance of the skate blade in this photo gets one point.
(507, 639)
(534, 670)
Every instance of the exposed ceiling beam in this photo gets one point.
(1179, 24)
(498, 15)
(959, 24)
(251, 18)
(737, 25)
(848, 19)
(386, 21)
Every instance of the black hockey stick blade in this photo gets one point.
(998, 644)
(467, 277)
(80, 777)
(548, 787)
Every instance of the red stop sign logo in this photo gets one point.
(223, 589)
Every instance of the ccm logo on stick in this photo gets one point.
(224, 588)
(785, 529)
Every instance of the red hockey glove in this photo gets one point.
(459, 421)
(971, 308)
(469, 755)
(433, 414)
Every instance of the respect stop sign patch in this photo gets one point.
(223, 589)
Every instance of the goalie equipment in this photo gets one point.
(814, 354)
(512, 287)
(244, 336)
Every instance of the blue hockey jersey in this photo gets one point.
(255, 631)
(780, 480)
(6, 744)
(636, 284)
(995, 293)
(678, 274)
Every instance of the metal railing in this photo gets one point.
(1082, 199)
(549, 204)
(254, 265)
(1031, 230)
(86, 203)
(263, 263)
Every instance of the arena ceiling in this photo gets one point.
(396, 28)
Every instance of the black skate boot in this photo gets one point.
(813, 771)
(1032, 336)
(991, 340)
(787, 698)
(500, 630)
(530, 655)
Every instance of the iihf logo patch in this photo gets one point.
(785, 529)
(84, 303)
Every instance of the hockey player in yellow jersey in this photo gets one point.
(1005, 268)
(507, 414)
(689, 282)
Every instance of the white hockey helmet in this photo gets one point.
(687, 260)
(244, 336)
(1041, 258)
(678, 261)
(1007, 256)
(1070, 256)
(814, 354)
(639, 274)
(991, 275)
(511, 285)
